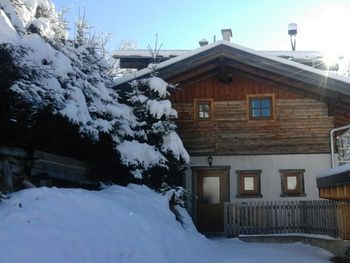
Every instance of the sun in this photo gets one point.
(326, 29)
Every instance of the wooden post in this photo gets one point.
(8, 179)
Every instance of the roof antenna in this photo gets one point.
(154, 53)
(292, 32)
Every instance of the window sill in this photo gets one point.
(249, 196)
(293, 195)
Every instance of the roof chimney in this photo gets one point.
(292, 32)
(226, 34)
(203, 42)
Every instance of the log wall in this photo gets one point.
(301, 124)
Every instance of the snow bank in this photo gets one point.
(119, 224)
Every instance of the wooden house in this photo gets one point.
(255, 125)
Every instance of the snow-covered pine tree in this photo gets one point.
(57, 91)
(149, 99)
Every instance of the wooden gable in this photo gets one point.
(306, 103)
(227, 64)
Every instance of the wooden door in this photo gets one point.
(212, 192)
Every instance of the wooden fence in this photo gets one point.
(281, 217)
(343, 212)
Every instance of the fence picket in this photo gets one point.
(272, 217)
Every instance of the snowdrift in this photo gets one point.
(119, 224)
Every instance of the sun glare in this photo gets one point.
(327, 28)
(332, 58)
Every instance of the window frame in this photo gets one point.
(300, 189)
(271, 98)
(197, 103)
(256, 192)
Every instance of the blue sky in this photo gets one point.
(258, 24)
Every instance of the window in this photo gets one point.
(261, 107)
(292, 183)
(211, 189)
(203, 109)
(248, 182)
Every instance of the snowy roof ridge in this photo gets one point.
(143, 72)
(311, 54)
(145, 53)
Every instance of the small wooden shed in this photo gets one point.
(22, 169)
(334, 184)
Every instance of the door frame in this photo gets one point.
(195, 172)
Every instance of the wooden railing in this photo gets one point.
(343, 147)
(282, 217)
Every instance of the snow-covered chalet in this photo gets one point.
(255, 124)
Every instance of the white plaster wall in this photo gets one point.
(270, 177)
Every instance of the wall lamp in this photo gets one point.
(210, 160)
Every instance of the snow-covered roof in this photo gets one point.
(263, 56)
(337, 176)
(333, 171)
(145, 53)
(307, 55)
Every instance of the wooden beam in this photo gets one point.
(197, 78)
(224, 75)
(186, 65)
(178, 78)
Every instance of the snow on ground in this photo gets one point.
(119, 224)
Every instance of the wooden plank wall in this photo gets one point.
(236, 90)
(60, 167)
(343, 211)
(281, 217)
(301, 125)
(338, 192)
